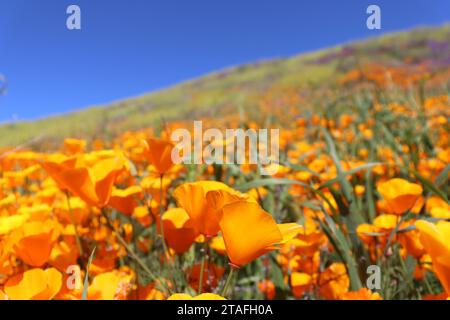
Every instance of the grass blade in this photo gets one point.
(86, 277)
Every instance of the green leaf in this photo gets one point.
(443, 176)
(346, 186)
(86, 276)
(340, 243)
(370, 196)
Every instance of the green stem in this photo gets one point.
(72, 220)
(228, 282)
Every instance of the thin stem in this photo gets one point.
(72, 220)
(161, 211)
(202, 266)
(228, 282)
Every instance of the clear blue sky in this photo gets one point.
(126, 48)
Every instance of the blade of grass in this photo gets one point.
(443, 176)
(86, 276)
(343, 248)
(346, 186)
(370, 196)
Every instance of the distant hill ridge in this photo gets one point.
(231, 86)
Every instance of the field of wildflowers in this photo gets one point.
(357, 209)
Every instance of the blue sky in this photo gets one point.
(127, 48)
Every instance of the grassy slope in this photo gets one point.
(227, 87)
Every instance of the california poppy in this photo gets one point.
(34, 284)
(334, 281)
(159, 153)
(114, 285)
(63, 255)
(249, 232)
(436, 240)
(56, 164)
(125, 200)
(35, 241)
(178, 230)
(400, 194)
(192, 198)
(93, 185)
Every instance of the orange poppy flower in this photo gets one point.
(125, 200)
(114, 285)
(35, 241)
(334, 281)
(55, 165)
(249, 232)
(400, 194)
(93, 185)
(436, 240)
(192, 198)
(159, 153)
(63, 255)
(34, 284)
(142, 214)
(217, 199)
(178, 230)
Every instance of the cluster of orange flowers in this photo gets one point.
(122, 221)
(403, 76)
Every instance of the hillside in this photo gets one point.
(232, 87)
